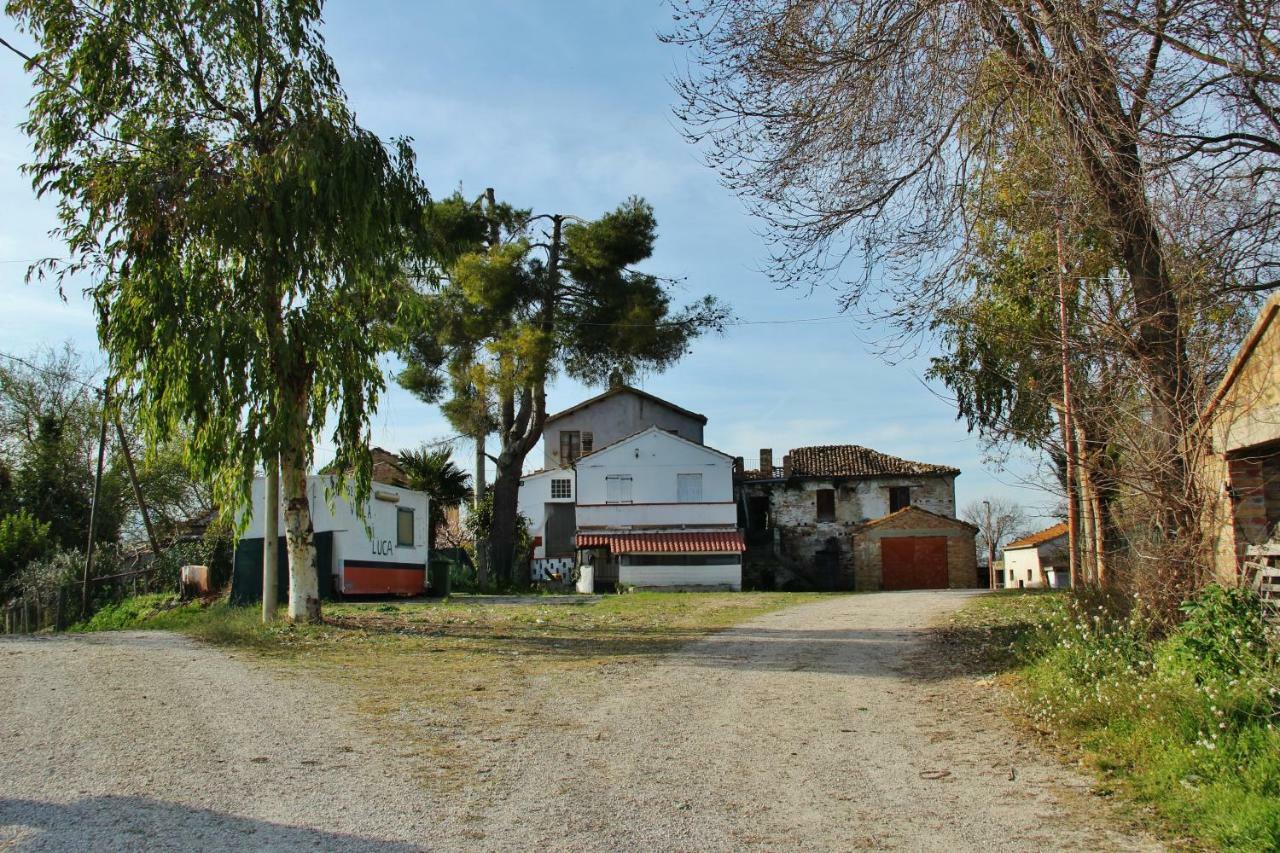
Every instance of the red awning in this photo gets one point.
(700, 542)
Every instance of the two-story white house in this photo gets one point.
(629, 485)
(657, 509)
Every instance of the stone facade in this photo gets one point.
(804, 527)
(1239, 470)
(962, 560)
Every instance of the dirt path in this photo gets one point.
(811, 728)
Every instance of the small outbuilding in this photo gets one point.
(913, 548)
(1041, 559)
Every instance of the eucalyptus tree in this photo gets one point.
(535, 297)
(241, 234)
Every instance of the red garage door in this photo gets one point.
(914, 562)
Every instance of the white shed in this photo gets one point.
(385, 553)
(1038, 560)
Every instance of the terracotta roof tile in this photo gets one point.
(1040, 537)
(705, 541)
(851, 460)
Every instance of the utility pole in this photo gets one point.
(1068, 443)
(271, 540)
(93, 507)
(991, 548)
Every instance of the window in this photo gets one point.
(899, 498)
(826, 504)
(404, 527)
(689, 488)
(561, 488)
(570, 445)
(617, 489)
(588, 442)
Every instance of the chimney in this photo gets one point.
(786, 466)
(766, 461)
(615, 379)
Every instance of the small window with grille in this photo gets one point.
(561, 488)
(588, 442)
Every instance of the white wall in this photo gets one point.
(535, 494)
(1051, 555)
(351, 540)
(653, 460)
(675, 575)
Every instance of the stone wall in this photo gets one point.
(823, 553)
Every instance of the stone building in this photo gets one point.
(1240, 463)
(820, 520)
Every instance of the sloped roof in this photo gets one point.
(900, 515)
(627, 389)
(1268, 313)
(386, 468)
(852, 460)
(1039, 537)
(656, 429)
(698, 542)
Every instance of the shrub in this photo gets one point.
(1223, 634)
(23, 538)
(1187, 721)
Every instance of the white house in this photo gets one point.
(385, 553)
(1038, 560)
(653, 509)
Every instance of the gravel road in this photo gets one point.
(816, 727)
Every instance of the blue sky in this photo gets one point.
(566, 106)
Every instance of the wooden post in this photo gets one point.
(137, 490)
(93, 507)
(270, 541)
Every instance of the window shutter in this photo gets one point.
(617, 489)
(588, 442)
(689, 488)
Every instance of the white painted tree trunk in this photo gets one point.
(304, 584)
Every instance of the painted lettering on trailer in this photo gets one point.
(382, 547)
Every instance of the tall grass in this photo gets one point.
(1186, 722)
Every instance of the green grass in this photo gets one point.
(1185, 724)
(451, 654)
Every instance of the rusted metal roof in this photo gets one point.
(1040, 537)
(674, 542)
(852, 460)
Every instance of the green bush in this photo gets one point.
(1186, 722)
(23, 539)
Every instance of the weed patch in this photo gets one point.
(1186, 722)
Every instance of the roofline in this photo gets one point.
(1015, 546)
(649, 429)
(612, 391)
(1250, 343)
(959, 522)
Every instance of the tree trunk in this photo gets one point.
(506, 511)
(304, 582)
(304, 585)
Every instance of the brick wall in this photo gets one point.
(962, 559)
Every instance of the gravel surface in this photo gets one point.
(816, 727)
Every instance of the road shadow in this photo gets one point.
(107, 823)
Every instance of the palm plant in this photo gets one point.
(432, 471)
